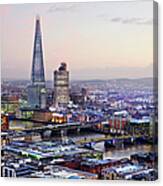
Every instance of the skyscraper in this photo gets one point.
(37, 63)
(61, 86)
(36, 90)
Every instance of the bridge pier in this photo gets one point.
(64, 135)
(78, 130)
(46, 134)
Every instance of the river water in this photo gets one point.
(122, 152)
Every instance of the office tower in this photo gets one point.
(61, 86)
(37, 86)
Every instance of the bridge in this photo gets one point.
(39, 126)
(42, 127)
(63, 128)
(57, 127)
(107, 138)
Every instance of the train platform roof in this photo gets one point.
(139, 121)
(94, 162)
(26, 109)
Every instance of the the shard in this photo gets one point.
(36, 90)
(37, 63)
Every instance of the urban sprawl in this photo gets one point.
(94, 129)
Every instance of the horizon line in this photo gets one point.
(98, 79)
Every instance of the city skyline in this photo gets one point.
(98, 116)
(83, 35)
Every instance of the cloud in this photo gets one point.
(71, 7)
(116, 19)
(130, 20)
(103, 16)
(133, 20)
(60, 7)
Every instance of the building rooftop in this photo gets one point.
(124, 169)
(44, 149)
(95, 162)
(64, 173)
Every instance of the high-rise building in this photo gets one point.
(61, 86)
(36, 90)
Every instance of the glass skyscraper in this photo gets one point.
(36, 90)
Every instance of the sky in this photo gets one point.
(97, 40)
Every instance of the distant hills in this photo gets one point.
(148, 81)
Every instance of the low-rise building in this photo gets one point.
(63, 173)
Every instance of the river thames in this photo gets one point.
(118, 153)
(112, 153)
